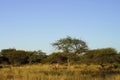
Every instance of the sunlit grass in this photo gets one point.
(46, 72)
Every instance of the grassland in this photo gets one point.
(49, 72)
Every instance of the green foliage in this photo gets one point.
(18, 57)
(4, 60)
(36, 56)
(100, 56)
(118, 58)
(7, 50)
(71, 45)
(72, 50)
(61, 57)
(57, 58)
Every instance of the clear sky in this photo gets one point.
(35, 24)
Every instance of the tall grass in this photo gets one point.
(46, 72)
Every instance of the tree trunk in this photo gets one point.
(68, 62)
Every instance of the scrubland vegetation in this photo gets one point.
(47, 72)
(74, 61)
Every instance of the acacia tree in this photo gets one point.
(71, 45)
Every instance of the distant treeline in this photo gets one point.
(20, 57)
(72, 51)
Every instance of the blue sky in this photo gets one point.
(35, 24)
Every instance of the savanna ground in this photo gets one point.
(60, 72)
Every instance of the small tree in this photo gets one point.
(16, 57)
(36, 56)
(58, 57)
(70, 45)
(101, 57)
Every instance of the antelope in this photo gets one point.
(55, 66)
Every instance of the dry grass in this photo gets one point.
(46, 72)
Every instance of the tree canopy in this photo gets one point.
(69, 50)
(71, 45)
(101, 56)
